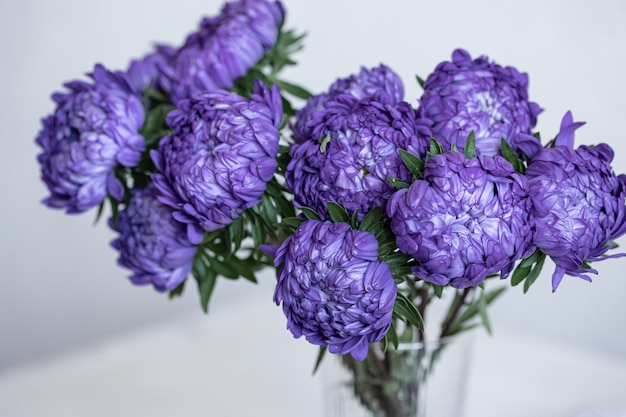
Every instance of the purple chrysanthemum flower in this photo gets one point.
(323, 109)
(225, 47)
(578, 203)
(333, 289)
(352, 164)
(467, 219)
(93, 129)
(220, 156)
(467, 95)
(148, 72)
(151, 243)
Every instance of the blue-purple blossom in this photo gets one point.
(578, 203)
(149, 71)
(467, 95)
(332, 287)
(467, 219)
(220, 156)
(351, 165)
(326, 111)
(224, 47)
(94, 129)
(151, 243)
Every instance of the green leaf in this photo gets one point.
(470, 146)
(474, 308)
(435, 147)
(205, 287)
(534, 274)
(223, 268)
(354, 220)
(320, 357)
(338, 213)
(438, 289)
(413, 163)
(420, 80)
(268, 211)
(520, 274)
(392, 336)
(482, 308)
(294, 90)
(397, 183)
(509, 154)
(236, 233)
(405, 308)
(309, 213)
(371, 218)
(178, 291)
(242, 268)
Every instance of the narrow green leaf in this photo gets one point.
(293, 89)
(268, 211)
(397, 183)
(223, 268)
(338, 213)
(236, 233)
(206, 286)
(242, 268)
(392, 336)
(320, 357)
(354, 219)
(470, 146)
(420, 80)
(534, 274)
(406, 309)
(482, 308)
(309, 213)
(531, 259)
(178, 291)
(438, 289)
(509, 154)
(371, 218)
(520, 274)
(435, 147)
(413, 163)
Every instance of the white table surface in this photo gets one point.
(240, 361)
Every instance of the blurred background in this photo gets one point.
(60, 287)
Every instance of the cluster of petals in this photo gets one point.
(465, 95)
(218, 159)
(93, 130)
(578, 203)
(223, 48)
(151, 243)
(333, 289)
(326, 111)
(467, 219)
(363, 130)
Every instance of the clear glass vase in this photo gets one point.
(417, 380)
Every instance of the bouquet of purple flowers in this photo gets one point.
(369, 207)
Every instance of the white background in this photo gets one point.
(60, 287)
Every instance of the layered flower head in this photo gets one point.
(149, 71)
(466, 95)
(351, 164)
(220, 156)
(327, 111)
(93, 129)
(467, 219)
(151, 243)
(225, 47)
(578, 203)
(332, 287)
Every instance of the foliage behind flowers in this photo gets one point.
(369, 207)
